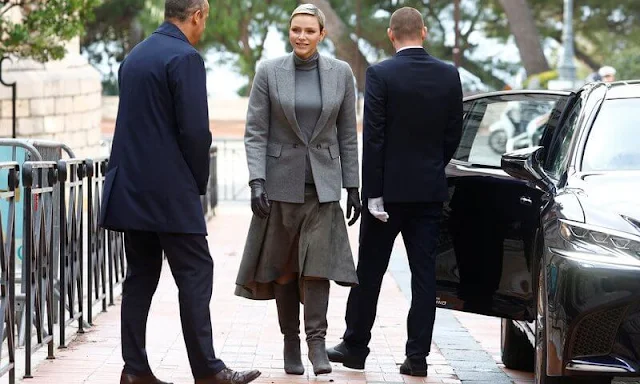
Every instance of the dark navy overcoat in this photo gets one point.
(159, 161)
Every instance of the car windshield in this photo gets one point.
(614, 140)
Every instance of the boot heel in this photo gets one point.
(354, 362)
(292, 357)
(318, 357)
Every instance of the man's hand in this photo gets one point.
(259, 201)
(376, 207)
(353, 204)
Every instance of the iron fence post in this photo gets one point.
(14, 96)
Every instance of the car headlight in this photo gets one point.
(601, 244)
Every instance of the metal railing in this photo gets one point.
(63, 247)
(116, 262)
(96, 265)
(210, 199)
(232, 172)
(7, 268)
(39, 180)
(71, 179)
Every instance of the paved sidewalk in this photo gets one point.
(246, 332)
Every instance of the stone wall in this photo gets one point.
(59, 100)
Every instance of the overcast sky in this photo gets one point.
(223, 82)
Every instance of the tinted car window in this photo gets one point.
(494, 126)
(614, 140)
(559, 148)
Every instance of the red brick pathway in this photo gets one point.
(246, 333)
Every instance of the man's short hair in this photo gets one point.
(181, 9)
(406, 23)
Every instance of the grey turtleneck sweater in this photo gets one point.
(308, 100)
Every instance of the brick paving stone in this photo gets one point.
(246, 333)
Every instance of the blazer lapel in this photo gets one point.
(285, 80)
(328, 87)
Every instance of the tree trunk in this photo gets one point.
(524, 30)
(135, 35)
(346, 48)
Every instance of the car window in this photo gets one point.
(557, 155)
(496, 125)
(614, 141)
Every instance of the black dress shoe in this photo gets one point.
(349, 357)
(414, 367)
(228, 376)
(127, 378)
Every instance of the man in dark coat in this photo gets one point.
(412, 127)
(158, 168)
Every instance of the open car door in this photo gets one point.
(483, 259)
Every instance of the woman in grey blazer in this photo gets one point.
(301, 145)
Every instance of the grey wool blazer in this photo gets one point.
(276, 147)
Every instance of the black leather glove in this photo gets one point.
(259, 201)
(353, 204)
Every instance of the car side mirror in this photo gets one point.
(525, 164)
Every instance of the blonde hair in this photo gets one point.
(309, 9)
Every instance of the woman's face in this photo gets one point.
(304, 35)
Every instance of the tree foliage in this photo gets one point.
(438, 16)
(607, 32)
(241, 27)
(112, 33)
(42, 27)
(115, 27)
(238, 28)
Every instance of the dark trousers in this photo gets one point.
(192, 269)
(419, 225)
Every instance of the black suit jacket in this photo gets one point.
(412, 127)
(159, 162)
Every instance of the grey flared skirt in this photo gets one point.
(309, 239)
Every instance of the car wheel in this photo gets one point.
(498, 141)
(517, 351)
(541, 345)
(541, 336)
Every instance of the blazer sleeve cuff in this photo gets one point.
(257, 175)
(351, 180)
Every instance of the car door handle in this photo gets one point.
(526, 200)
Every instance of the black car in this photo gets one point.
(547, 236)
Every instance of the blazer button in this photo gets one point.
(319, 146)
(295, 145)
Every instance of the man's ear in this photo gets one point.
(425, 33)
(197, 17)
(390, 34)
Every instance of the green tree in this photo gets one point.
(111, 34)
(41, 27)
(605, 30)
(626, 63)
(241, 27)
(238, 28)
(438, 14)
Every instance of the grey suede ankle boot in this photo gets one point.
(316, 301)
(288, 304)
